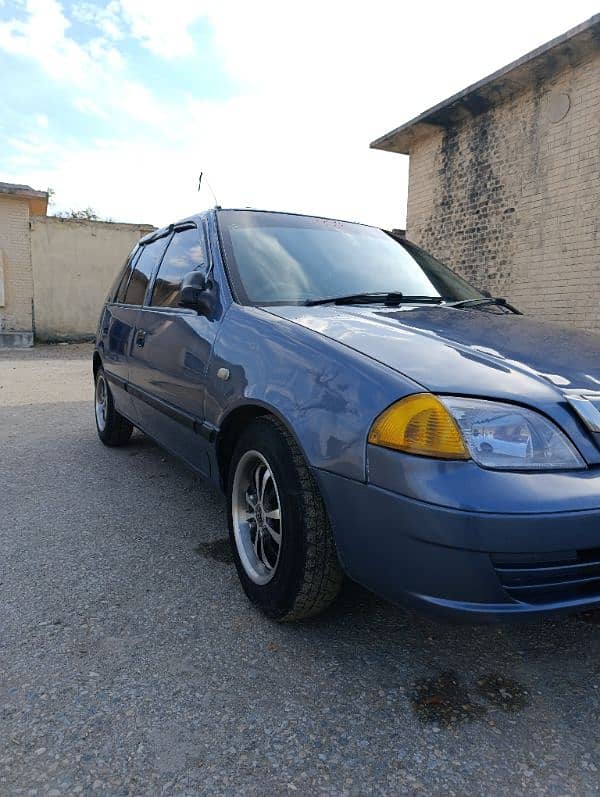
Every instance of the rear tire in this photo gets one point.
(281, 538)
(113, 429)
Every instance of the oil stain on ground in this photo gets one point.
(443, 701)
(503, 692)
(219, 550)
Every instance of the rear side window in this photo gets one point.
(149, 258)
(126, 273)
(184, 254)
(122, 276)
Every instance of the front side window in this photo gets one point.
(185, 253)
(276, 258)
(149, 258)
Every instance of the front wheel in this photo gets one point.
(113, 428)
(280, 534)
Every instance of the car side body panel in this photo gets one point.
(327, 395)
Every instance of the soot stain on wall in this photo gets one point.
(474, 213)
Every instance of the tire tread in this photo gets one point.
(323, 574)
(118, 429)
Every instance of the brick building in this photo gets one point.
(17, 204)
(504, 179)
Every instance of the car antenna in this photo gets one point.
(209, 188)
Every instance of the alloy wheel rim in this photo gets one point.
(101, 401)
(256, 511)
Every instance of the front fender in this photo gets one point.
(326, 393)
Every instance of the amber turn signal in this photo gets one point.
(419, 424)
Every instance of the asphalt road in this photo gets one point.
(131, 662)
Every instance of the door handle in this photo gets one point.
(140, 338)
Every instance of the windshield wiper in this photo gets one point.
(483, 301)
(390, 299)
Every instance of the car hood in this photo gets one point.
(464, 351)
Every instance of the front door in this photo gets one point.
(171, 354)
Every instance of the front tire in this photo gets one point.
(113, 429)
(280, 534)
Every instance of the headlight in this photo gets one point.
(510, 437)
(495, 435)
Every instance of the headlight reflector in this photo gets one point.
(510, 437)
(419, 424)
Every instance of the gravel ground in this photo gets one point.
(131, 662)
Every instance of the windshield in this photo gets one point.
(276, 258)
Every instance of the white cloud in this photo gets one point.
(162, 27)
(96, 70)
(43, 37)
(106, 18)
(88, 106)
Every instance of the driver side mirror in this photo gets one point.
(196, 292)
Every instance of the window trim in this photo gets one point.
(209, 257)
(221, 248)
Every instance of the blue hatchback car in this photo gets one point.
(365, 410)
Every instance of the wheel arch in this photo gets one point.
(96, 363)
(233, 425)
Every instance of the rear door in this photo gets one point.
(174, 345)
(122, 337)
(115, 335)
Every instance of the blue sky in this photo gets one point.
(119, 104)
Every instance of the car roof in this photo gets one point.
(162, 231)
(293, 213)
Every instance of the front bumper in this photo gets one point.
(463, 564)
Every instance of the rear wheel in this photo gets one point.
(113, 428)
(280, 534)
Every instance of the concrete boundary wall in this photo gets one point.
(74, 264)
